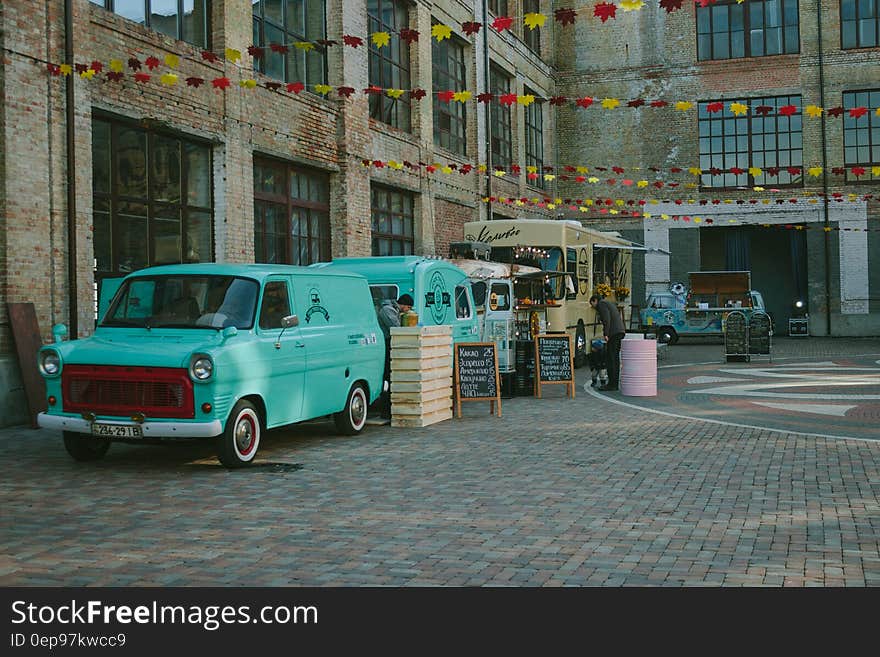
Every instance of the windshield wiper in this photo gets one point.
(172, 325)
(123, 322)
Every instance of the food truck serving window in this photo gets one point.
(500, 297)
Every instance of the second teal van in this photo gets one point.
(441, 291)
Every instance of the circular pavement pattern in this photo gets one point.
(838, 397)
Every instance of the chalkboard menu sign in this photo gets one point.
(759, 333)
(554, 362)
(476, 374)
(736, 335)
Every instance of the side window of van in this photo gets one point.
(381, 293)
(501, 296)
(462, 304)
(276, 305)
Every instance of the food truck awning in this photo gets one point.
(632, 246)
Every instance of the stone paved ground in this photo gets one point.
(557, 492)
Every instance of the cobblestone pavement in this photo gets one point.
(557, 492)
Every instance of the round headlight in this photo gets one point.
(50, 362)
(202, 368)
(799, 304)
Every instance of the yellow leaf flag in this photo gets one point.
(739, 108)
(620, 202)
(664, 216)
(697, 220)
(116, 65)
(519, 202)
(525, 100)
(380, 39)
(815, 171)
(233, 55)
(814, 111)
(557, 201)
(551, 206)
(169, 79)
(584, 208)
(172, 61)
(395, 165)
(323, 89)
(87, 74)
(531, 169)
(875, 171)
(583, 170)
(304, 45)
(610, 103)
(499, 173)
(690, 186)
(642, 183)
(446, 169)
(66, 69)
(481, 168)
(755, 171)
(613, 211)
(588, 201)
(683, 105)
(533, 20)
(761, 189)
(440, 31)
(549, 176)
(592, 179)
(247, 83)
(877, 112)
(695, 171)
(462, 96)
(394, 93)
(631, 5)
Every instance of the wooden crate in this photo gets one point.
(421, 375)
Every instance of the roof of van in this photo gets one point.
(379, 265)
(256, 271)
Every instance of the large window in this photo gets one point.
(291, 214)
(860, 23)
(532, 38)
(502, 142)
(861, 136)
(393, 220)
(450, 119)
(151, 196)
(285, 22)
(762, 138)
(535, 139)
(389, 65)
(729, 29)
(186, 20)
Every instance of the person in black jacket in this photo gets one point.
(614, 330)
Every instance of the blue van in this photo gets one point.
(441, 291)
(216, 351)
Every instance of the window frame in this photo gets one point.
(457, 81)
(501, 118)
(110, 5)
(850, 125)
(382, 107)
(750, 120)
(293, 205)
(534, 138)
(855, 20)
(259, 23)
(746, 29)
(407, 199)
(115, 200)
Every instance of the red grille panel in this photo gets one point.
(112, 390)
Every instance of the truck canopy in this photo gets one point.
(720, 282)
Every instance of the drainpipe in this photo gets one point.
(824, 173)
(71, 174)
(487, 111)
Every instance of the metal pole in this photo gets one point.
(827, 226)
(487, 110)
(71, 175)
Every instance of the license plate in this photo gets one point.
(116, 430)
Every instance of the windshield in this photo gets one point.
(179, 301)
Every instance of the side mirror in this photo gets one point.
(289, 321)
(229, 332)
(58, 332)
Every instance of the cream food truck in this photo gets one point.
(575, 260)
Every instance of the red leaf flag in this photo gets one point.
(502, 23)
(295, 87)
(638, 102)
(763, 110)
(584, 102)
(565, 16)
(281, 49)
(788, 110)
(854, 113)
(207, 55)
(345, 92)
(795, 171)
(152, 62)
(670, 5)
(271, 86)
(221, 83)
(445, 96)
(605, 10)
(484, 98)
(558, 100)
(617, 170)
(97, 67)
(115, 76)
(409, 35)
(712, 108)
(134, 64)
(195, 82)
(142, 77)
(80, 68)
(256, 52)
(658, 103)
(838, 171)
(470, 27)
(352, 41)
(836, 112)
(54, 69)
(507, 99)
(417, 94)
(736, 171)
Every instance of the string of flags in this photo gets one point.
(115, 72)
(582, 173)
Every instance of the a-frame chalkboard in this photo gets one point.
(476, 374)
(554, 361)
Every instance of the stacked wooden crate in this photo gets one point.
(421, 375)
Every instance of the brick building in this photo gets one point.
(156, 173)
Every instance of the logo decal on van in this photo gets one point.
(315, 300)
(437, 299)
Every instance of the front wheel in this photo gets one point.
(351, 419)
(83, 447)
(667, 335)
(237, 445)
(580, 344)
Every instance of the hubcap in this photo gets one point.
(358, 409)
(244, 436)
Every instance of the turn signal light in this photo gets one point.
(52, 400)
(206, 407)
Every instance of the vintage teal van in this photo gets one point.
(441, 291)
(219, 352)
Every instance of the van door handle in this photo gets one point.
(300, 345)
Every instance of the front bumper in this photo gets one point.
(149, 429)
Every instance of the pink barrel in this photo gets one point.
(638, 368)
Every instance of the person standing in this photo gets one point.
(614, 330)
(389, 315)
